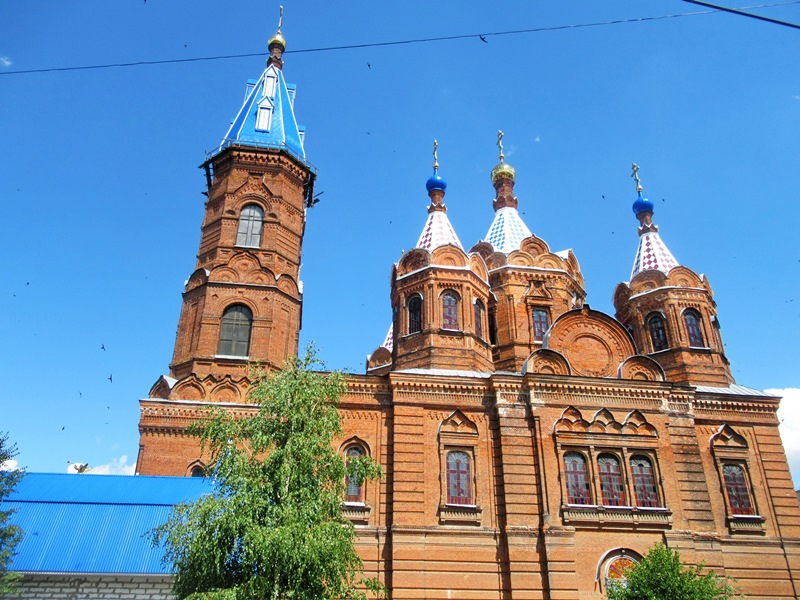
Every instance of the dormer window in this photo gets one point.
(269, 86)
(264, 118)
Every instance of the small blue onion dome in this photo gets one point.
(642, 204)
(436, 182)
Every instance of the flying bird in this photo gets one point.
(483, 39)
(103, 347)
(369, 66)
(111, 378)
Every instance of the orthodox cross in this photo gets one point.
(435, 154)
(280, 20)
(500, 144)
(635, 176)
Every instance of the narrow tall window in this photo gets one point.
(612, 487)
(264, 118)
(577, 477)
(692, 320)
(541, 323)
(658, 332)
(492, 328)
(234, 335)
(354, 485)
(250, 224)
(736, 489)
(415, 315)
(459, 474)
(449, 311)
(644, 483)
(479, 310)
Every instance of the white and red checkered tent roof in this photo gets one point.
(388, 343)
(507, 230)
(652, 255)
(438, 232)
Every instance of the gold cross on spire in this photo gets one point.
(435, 154)
(500, 135)
(635, 176)
(280, 20)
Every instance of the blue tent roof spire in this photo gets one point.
(267, 119)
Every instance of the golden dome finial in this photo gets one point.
(635, 176)
(435, 155)
(503, 170)
(278, 37)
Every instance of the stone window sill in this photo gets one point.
(357, 512)
(748, 524)
(460, 513)
(591, 515)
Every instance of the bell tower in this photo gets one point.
(243, 302)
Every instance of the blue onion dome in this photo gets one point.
(642, 204)
(436, 182)
(503, 171)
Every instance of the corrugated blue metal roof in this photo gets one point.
(94, 523)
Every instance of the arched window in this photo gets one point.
(737, 490)
(198, 471)
(612, 487)
(449, 311)
(415, 315)
(616, 571)
(692, 320)
(658, 332)
(577, 477)
(644, 482)
(355, 487)
(250, 223)
(459, 478)
(541, 323)
(479, 310)
(234, 334)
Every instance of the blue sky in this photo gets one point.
(102, 195)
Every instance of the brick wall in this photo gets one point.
(93, 587)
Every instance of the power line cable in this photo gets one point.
(410, 41)
(737, 11)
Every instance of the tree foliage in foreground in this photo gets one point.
(273, 527)
(10, 535)
(661, 575)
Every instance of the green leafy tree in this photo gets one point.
(273, 527)
(661, 575)
(10, 535)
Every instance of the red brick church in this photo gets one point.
(532, 446)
